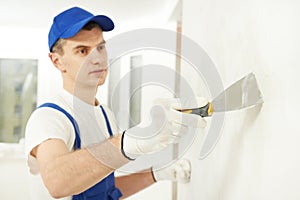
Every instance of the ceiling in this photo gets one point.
(39, 13)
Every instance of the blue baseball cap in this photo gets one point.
(71, 21)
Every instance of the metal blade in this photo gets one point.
(241, 94)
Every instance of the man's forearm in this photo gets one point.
(133, 183)
(72, 172)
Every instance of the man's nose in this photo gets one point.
(96, 57)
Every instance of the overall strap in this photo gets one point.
(72, 120)
(107, 122)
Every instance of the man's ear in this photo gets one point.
(56, 60)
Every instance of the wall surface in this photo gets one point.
(13, 172)
(256, 156)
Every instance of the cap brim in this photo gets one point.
(105, 23)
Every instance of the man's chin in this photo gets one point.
(100, 82)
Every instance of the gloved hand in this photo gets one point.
(179, 171)
(167, 126)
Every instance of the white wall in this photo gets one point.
(13, 172)
(257, 155)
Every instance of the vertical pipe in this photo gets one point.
(135, 96)
(177, 86)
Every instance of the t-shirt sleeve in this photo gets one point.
(48, 123)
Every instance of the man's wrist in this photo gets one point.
(122, 147)
(153, 175)
(109, 153)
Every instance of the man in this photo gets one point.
(72, 141)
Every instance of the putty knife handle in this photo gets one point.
(204, 111)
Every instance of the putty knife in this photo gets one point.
(242, 94)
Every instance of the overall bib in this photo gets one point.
(105, 189)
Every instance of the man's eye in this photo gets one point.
(82, 51)
(101, 47)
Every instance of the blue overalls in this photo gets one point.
(105, 189)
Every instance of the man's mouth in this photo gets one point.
(98, 71)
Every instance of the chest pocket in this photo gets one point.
(105, 189)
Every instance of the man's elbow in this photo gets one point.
(57, 190)
(57, 193)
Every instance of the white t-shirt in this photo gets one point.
(46, 123)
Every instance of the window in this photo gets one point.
(18, 94)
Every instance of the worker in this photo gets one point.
(72, 141)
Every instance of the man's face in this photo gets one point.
(85, 59)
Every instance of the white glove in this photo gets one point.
(167, 126)
(179, 171)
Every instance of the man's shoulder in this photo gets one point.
(61, 99)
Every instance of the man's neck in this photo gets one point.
(88, 95)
